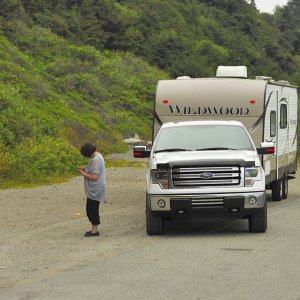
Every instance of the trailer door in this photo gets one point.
(271, 127)
(283, 141)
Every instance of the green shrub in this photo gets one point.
(55, 96)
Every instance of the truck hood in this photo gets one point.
(224, 157)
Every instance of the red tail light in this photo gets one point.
(270, 150)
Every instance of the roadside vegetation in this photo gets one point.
(62, 96)
(73, 71)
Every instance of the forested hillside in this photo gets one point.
(58, 95)
(78, 70)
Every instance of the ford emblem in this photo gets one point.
(206, 175)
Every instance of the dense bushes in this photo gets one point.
(54, 96)
(36, 161)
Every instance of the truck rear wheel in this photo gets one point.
(258, 222)
(277, 190)
(154, 222)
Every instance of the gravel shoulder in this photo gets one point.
(42, 228)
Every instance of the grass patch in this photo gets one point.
(109, 163)
(39, 182)
(56, 179)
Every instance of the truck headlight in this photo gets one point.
(252, 174)
(160, 177)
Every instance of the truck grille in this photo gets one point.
(201, 201)
(205, 176)
(207, 202)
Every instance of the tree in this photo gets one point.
(253, 4)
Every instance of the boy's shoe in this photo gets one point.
(89, 233)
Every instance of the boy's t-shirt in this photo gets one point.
(96, 189)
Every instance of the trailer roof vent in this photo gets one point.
(183, 77)
(232, 72)
(263, 78)
(283, 82)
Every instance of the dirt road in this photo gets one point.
(44, 255)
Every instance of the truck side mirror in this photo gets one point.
(266, 148)
(141, 152)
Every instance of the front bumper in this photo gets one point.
(208, 204)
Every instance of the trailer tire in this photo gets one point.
(154, 222)
(259, 221)
(277, 190)
(285, 187)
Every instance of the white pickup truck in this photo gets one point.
(204, 169)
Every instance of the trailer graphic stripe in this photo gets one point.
(295, 138)
(259, 122)
(157, 118)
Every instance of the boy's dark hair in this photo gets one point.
(87, 149)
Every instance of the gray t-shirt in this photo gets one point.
(95, 189)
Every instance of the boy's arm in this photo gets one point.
(92, 177)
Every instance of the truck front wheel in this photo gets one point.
(154, 222)
(258, 221)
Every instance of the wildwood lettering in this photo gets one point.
(202, 110)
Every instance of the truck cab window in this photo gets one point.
(203, 137)
(273, 123)
(283, 116)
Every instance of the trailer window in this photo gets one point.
(283, 116)
(272, 123)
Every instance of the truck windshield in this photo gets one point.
(202, 138)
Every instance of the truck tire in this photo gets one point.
(277, 190)
(259, 221)
(154, 223)
(285, 187)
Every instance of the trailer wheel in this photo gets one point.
(285, 187)
(259, 221)
(277, 190)
(155, 223)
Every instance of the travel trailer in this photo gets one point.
(267, 108)
(208, 174)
